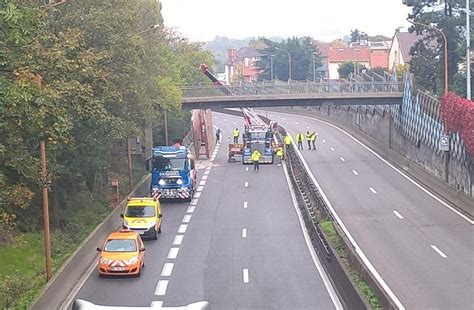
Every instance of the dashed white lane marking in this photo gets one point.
(434, 247)
(246, 275)
(246, 184)
(307, 127)
(297, 123)
(234, 123)
(194, 202)
(208, 168)
(342, 158)
(284, 118)
(373, 190)
(204, 177)
(206, 172)
(167, 269)
(245, 204)
(199, 188)
(186, 218)
(244, 233)
(161, 288)
(324, 141)
(203, 182)
(178, 239)
(182, 228)
(191, 209)
(173, 253)
(225, 119)
(157, 304)
(197, 195)
(398, 214)
(355, 172)
(246, 168)
(332, 149)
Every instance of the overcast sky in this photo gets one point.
(202, 20)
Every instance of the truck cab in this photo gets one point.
(261, 139)
(173, 175)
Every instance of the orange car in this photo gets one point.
(123, 253)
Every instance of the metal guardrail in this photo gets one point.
(292, 89)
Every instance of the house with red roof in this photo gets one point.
(341, 54)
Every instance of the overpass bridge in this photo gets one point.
(292, 94)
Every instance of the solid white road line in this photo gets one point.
(395, 168)
(199, 188)
(332, 149)
(173, 253)
(215, 126)
(194, 202)
(182, 228)
(203, 182)
(161, 288)
(434, 247)
(244, 233)
(191, 209)
(246, 168)
(373, 190)
(178, 239)
(398, 214)
(204, 177)
(341, 224)
(355, 172)
(342, 158)
(157, 304)
(167, 270)
(283, 118)
(197, 195)
(246, 275)
(245, 204)
(186, 218)
(246, 184)
(327, 283)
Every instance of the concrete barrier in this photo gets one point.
(66, 278)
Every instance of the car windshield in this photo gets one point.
(120, 245)
(140, 211)
(166, 164)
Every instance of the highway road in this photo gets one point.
(422, 249)
(239, 245)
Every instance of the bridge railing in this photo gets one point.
(291, 89)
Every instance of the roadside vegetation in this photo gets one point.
(330, 231)
(82, 76)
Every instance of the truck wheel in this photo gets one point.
(155, 234)
(159, 229)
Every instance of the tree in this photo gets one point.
(348, 67)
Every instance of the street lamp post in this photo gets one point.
(289, 61)
(468, 52)
(271, 67)
(446, 83)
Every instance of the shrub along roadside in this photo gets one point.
(330, 231)
(22, 270)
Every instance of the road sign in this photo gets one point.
(444, 143)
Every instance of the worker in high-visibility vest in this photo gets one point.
(308, 138)
(279, 154)
(314, 136)
(288, 140)
(300, 139)
(256, 158)
(235, 133)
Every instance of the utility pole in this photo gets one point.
(271, 67)
(314, 67)
(47, 236)
(468, 51)
(129, 156)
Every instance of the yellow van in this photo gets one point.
(143, 215)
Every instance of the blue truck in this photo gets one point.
(173, 175)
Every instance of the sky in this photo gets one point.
(326, 20)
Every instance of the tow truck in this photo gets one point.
(172, 173)
(258, 135)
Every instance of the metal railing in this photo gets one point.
(333, 87)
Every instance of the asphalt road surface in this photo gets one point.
(238, 245)
(422, 249)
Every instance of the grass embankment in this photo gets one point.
(22, 275)
(330, 231)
